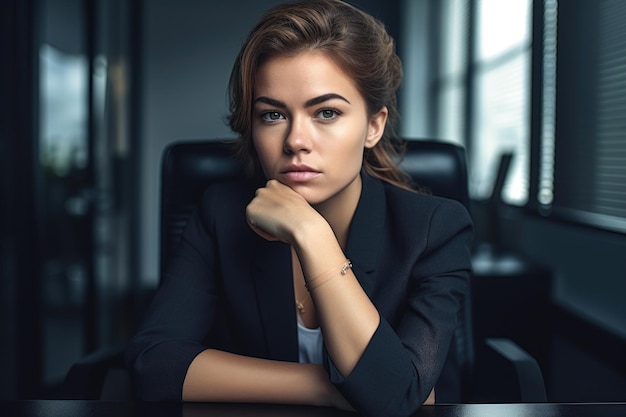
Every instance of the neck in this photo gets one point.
(339, 210)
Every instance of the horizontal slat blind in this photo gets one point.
(591, 185)
(610, 195)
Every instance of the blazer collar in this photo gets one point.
(366, 230)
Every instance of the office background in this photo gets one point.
(92, 90)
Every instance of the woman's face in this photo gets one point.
(310, 126)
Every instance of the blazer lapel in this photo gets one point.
(274, 287)
(366, 230)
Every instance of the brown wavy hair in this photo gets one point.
(356, 41)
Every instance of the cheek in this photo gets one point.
(354, 151)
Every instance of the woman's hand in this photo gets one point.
(277, 212)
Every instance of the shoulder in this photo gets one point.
(440, 229)
(432, 220)
(410, 204)
(417, 219)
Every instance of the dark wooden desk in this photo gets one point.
(71, 408)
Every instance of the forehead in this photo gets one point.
(304, 75)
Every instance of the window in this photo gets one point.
(482, 87)
(590, 121)
(483, 91)
(453, 69)
(500, 104)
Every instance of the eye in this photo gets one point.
(271, 116)
(328, 114)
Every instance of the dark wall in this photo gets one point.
(19, 264)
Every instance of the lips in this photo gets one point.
(299, 173)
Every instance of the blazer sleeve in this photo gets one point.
(180, 315)
(403, 360)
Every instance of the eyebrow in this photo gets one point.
(309, 103)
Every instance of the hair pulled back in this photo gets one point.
(359, 45)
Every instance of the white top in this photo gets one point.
(310, 344)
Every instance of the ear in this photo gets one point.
(376, 127)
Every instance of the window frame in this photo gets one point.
(543, 152)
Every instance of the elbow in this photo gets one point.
(151, 379)
(149, 386)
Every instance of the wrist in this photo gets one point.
(310, 233)
(328, 275)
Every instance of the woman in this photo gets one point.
(328, 282)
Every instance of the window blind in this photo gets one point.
(590, 164)
(610, 191)
(548, 101)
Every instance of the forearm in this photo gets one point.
(346, 315)
(225, 377)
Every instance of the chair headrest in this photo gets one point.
(438, 166)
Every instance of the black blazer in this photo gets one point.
(229, 289)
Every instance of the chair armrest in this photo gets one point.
(86, 378)
(528, 374)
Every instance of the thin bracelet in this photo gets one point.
(328, 275)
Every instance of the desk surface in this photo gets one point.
(69, 408)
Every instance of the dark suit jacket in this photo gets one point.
(229, 289)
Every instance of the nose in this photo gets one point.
(298, 137)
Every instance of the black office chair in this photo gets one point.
(438, 167)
